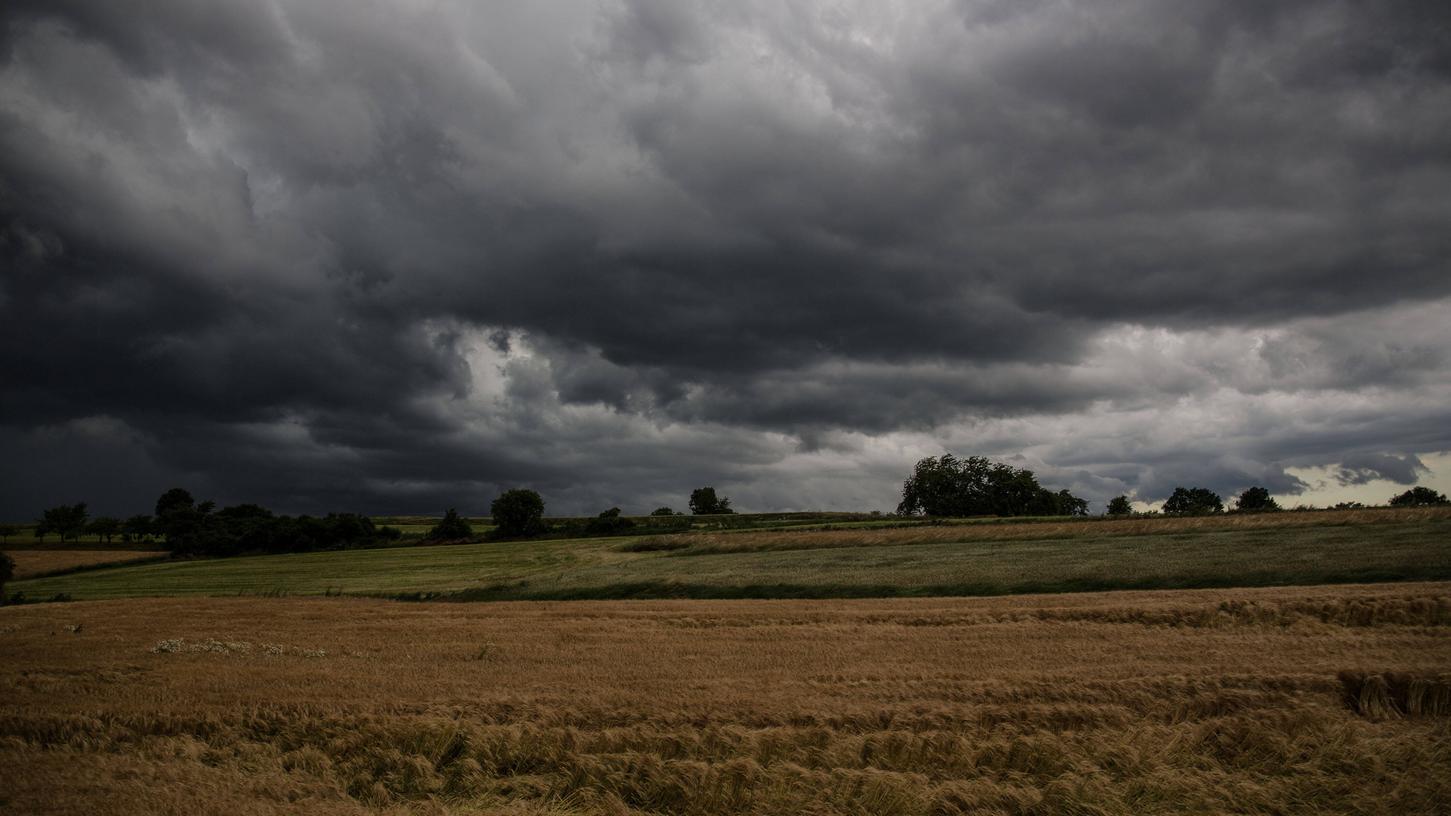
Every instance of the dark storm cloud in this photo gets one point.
(339, 254)
(1364, 467)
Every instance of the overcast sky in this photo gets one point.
(398, 256)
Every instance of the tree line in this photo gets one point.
(188, 527)
(949, 486)
(943, 486)
(1199, 501)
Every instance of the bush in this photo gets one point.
(518, 513)
(1119, 506)
(609, 523)
(451, 527)
(662, 511)
(7, 571)
(1419, 497)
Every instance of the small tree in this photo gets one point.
(104, 528)
(136, 528)
(451, 527)
(7, 530)
(1419, 497)
(518, 513)
(1193, 502)
(173, 500)
(1256, 500)
(662, 511)
(704, 502)
(1119, 506)
(68, 520)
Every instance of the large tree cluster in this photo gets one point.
(976, 486)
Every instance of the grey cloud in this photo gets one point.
(713, 241)
(1364, 467)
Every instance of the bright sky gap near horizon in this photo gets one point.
(393, 257)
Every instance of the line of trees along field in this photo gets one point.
(944, 486)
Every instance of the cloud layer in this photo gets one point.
(393, 256)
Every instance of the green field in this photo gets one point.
(856, 562)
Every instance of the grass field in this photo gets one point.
(965, 559)
(1212, 701)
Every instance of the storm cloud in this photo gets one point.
(395, 257)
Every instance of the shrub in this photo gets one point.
(608, 523)
(662, 511)
(451, 527)
(7, 571)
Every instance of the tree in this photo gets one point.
(1119, 506)
(1256, 500)
(8, 530)
(136, 528)
(1419, 497)
(104, 528)
(518, 513)
(189, 528)
(173, 500)
(1194, 501)
(662, 511)
(1067, 504)
(977, 486)
(451, 527)
(704, 502)
(608, 523)
(7, 571)
(68, 520)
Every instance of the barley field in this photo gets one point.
(1324, 700)
(976, 558)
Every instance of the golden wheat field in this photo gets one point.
(30, 563)
(1304, 700)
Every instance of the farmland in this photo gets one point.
(859, 560)
(759, 666)
(1114, 703)
(31, 563)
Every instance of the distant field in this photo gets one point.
(29, 563)
(966, 559)
(1324, 700)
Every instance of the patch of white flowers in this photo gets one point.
(181, 646)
